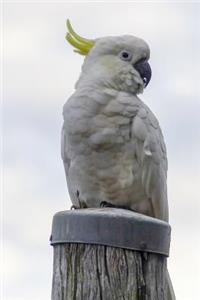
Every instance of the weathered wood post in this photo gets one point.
(109, 254)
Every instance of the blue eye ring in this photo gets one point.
(125, 55)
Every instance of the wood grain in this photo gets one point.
(97, 272)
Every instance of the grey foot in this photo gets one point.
(81, 205)
(108, 204)
(74, 207)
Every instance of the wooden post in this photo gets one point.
(109, 254)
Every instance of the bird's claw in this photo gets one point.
(107, 204)
(73, 207)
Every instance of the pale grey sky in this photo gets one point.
(40, 70)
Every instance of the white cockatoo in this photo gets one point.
(112, 145)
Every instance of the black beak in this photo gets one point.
(144, 70)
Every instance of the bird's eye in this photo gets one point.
(125, 55)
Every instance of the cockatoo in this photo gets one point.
(112, 145)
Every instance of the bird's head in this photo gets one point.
(119, 63)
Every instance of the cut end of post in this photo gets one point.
(113, 227)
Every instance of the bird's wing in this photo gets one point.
(64, 155)
(152, 157)
(69, 125)
(65, 145)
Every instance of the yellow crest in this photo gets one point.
(82, 45)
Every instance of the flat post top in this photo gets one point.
(111, 227)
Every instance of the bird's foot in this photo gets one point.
(74, 207)
(108, 204)
(82, 204)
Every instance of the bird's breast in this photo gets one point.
(101, 148)
(100, 124)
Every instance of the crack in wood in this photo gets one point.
(84, 271)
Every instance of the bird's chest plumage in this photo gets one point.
(99, 124)
(101, 149)
(103, 129)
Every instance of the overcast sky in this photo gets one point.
(40, 70)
